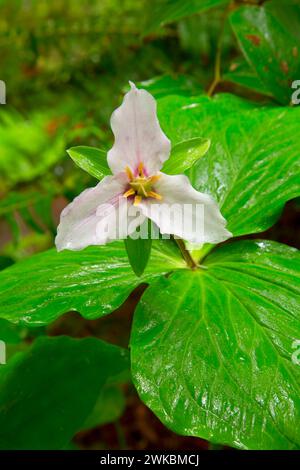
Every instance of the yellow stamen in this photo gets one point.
(154, 178)
(129, 173)
(141, 185)
(141, 169)
(154, 195)
(137, 200)
(128, 193)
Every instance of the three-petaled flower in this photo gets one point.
(104, 213)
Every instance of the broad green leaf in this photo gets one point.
(47, 393)
(185, 154)
(109, 407)
(212, 349)
(252, 167)
(93, 282)
(270, 46)
(139, 249)
(91, 160)
(168, 11)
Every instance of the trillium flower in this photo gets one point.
(104, 213)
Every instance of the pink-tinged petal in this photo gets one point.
(97, 216)
(185, 212)
(138, 136)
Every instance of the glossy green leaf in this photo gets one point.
(48, 392)
(168, 11)
(91, 160)
(212, 349)
(185, 154)
(270, 45)
(252, 167)
(93, 282)
(138, 249)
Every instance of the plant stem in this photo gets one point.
(186, 254)
(217, 72)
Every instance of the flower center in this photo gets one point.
(141, 185)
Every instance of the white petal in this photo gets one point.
(98, 215)
(138, 136)
(185, 212)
